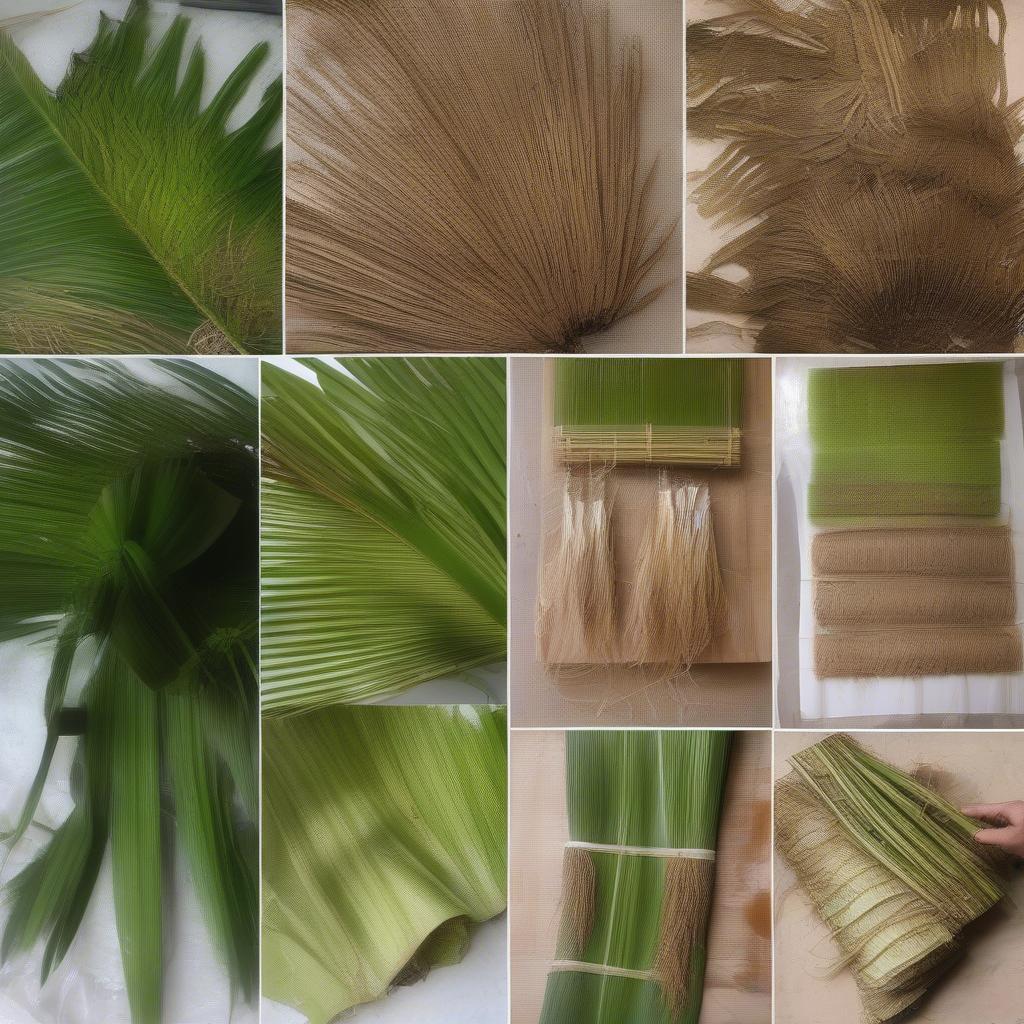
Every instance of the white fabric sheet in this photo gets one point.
(956, 699)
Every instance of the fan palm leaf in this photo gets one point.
(133, 220)
(383, 526)
(127, 539)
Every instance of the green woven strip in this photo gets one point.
(651, 789)
(638, 392)
(906, 441)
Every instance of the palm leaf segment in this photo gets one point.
(130, 219)
(383, 526)
(127, 540)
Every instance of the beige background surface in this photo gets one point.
(736, 693)
(985, 987)
(659, 26)
(738, 978)
(703, 239)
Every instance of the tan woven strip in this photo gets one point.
(918, 602)
(917, 652)
(983, 552)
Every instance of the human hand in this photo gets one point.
(1008, 825)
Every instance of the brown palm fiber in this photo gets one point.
(873, 149)
(685, 908)
(899, 601)
(948, 650)
(465, 176)
(578, 903)
(984, 552)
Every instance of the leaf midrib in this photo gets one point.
(69, 149)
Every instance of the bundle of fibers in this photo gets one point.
(674, 601)
(128, 532)
(134, 220)
(873, 146)
(679, 599)
(891, 867)
(912, 440)
(639, 871)
(667, 411)
(577, 617)
(383, 535)
(468, 176)
(384, 842)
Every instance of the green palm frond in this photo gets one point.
(128, 501)
(383, 526)
(132, 220)
(384, 842)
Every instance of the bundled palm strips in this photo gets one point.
(873, 147)
(468, 176)
(638, 876)
(890, 866)
(653, 597)
(896, 451)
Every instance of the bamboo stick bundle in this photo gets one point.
(639, 870)
(891, 867)
(662, 411)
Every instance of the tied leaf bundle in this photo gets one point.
(663, 411)
(383, 526)
(644, 809)
(384, 841)
(468, 176)
(133, 220)
(127, 539)
(873, 147)
(910, 444)
(891, 867)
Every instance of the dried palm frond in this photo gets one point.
(467, 176)
(874, 149)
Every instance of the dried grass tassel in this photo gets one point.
(577, 594)
(679, 598)
(579, 895)
(685, 908)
